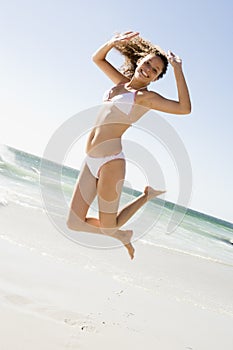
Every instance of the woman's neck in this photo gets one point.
(134, 84)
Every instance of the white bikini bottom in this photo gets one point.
(94, 164)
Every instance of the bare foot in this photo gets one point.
(130, 249)
(151, 192)
(125, 238)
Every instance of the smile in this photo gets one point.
(144, 73)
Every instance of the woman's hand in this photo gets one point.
(174, 60)
(122, 38)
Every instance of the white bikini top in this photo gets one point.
(124, 101)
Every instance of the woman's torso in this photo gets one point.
(119, 111)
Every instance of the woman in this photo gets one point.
(104, 170)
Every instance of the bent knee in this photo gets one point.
(74, 222)
(77, 225)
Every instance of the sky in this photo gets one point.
(47, 76)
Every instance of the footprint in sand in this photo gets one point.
(3, 202)
(75, 320)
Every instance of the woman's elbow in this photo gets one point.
(186, 110)
(93, 57)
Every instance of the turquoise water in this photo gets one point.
(198, 234)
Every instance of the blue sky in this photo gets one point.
(47, 76)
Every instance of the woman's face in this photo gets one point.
(149, 68)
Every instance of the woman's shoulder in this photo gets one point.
(144, 97)
(146, 94)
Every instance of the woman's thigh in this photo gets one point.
(84, 193)
(109, 188)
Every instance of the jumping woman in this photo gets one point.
(103, 172)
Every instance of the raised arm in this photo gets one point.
(99, 57)
(160, 103)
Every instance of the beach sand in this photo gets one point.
(100, 299)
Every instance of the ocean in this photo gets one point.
(22, 196)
